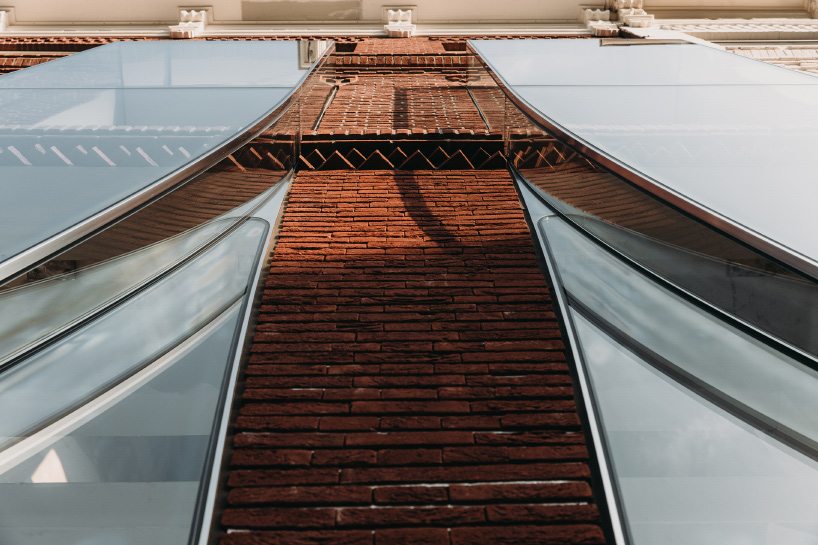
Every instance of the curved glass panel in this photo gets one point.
(687, 471)
(708, 423)
(732, 135)
(711, 435)
(127, 470)
(82, 133)
(118, 353)
(125, 256)
(691, 340)
(32, 311)
(119, 414)
(697, 258)
(69, 373)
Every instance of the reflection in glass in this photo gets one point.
(107, 431)
(709, 425)
(732, 135)
(81, 134)
(687, 472)
(117, 353)
(67, 374)
(694, 256)
(123, 257)
(706, 350)
(698, 417)
(128, 471)
(32, 311)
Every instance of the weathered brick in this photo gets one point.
(255, 457)
(279, 477)
(279, 517)
(535, 513)
(304, 537)
(412, 536)
(417, 495)
(531, 492)
(301, 495)
(573, 534)
(392, 516)
(346, 457)
(411, 438)
(399, 457)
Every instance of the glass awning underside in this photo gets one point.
(729, 139)
(696, 352)
(81, 136)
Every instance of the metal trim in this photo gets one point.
(204, 522)
(613, 504)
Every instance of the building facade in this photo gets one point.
(376, 306)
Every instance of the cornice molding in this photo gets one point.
(745, 29)
(371, 30)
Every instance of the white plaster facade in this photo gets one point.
(750, 27)
(370, 16)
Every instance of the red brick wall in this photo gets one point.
(408, 383)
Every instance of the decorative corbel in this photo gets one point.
(6, 18)
(192, 23)
(599, 22)
(399, 23)
(631, 13)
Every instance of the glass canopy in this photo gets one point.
(711, 434)
(120, 345)
(84, 133)
(695, 351)
(730, 139)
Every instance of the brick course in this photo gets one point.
(11, 62)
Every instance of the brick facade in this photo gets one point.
(407, 382)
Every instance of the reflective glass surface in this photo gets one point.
(705, 348)
(120, 412)
(109, 428)
(82, 133)
(32, 311)
(699, 419)
(687, 471)
(731, 134)
(127, 470)
(38, 308)
(68, 373)
(690, 254)
(116, 354)
(122, 258)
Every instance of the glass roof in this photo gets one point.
(80, 134)
(732, 135)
